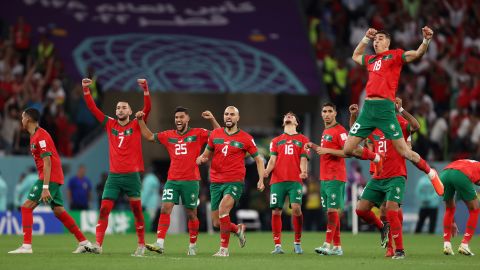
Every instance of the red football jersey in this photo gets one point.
(383, 73)
(228, 162)
(41, 145)
(471, 168)
(333, 167)
(394, 164)
(183, 150)
(288, 149)
(125, 142)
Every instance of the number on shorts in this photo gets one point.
(225, 150)
(354, 128)
(273, 198)
(167, 194)
(323, 202)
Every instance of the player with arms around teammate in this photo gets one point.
(289, 165)
(459, 177)
(388, 187)
(333, 176)
(229, 146)
(47, 188)
(126, 163)
(384, 69)
(183, 145)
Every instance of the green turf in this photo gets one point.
(360, 252)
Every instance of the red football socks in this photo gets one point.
(297, 227)
(70, 224)
(447, 223)
(193, 226)
(277, 229)
(369, 217)
(136, 207)
(102, 225)
(395, 228)
(225, 230)
(27, 223)
(336, 236)
(163, 224)
(471, 225)
(331, 226)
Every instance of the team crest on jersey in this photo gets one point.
(328, 138)
(387, 57)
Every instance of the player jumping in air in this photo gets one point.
(389, 186)
(47, 188)
(333, 175)
(183, 145)
(126, 163)
(384, 69)
(458, 178)
(289, 165)
(229, 146)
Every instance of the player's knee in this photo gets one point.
(216, 223)
(57, 211)
(296, 210)
(166, 210)
(277, 211)
(191, 215)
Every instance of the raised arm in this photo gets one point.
(146, 133)
(414, 124)
(147, 103)
(99, 115)
(362, 45)
(209, 116)
(353, 114)
(412, 55)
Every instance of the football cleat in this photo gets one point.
(93, 248)
(465, 250)
(155, 247)
(384, 235)
(277, 250)
(297, 248)
(192, 251)
(22, 250)
(139, 252)
(399, 254)
(389, 252)
(336, 251)
(242, 240)
(323, 250)
(222, 252)
(80, 249)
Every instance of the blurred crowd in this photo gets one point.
(442, 90)
(32, 75)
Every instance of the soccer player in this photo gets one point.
(389, 186)
(379, 110)
(126, 163)
(333, 176)
(47, 188)
(229, 146)
(288, 164)
(183, 145)
(458, 178)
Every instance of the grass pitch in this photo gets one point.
(360, 252)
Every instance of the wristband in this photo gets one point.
(45, 186)
(426, 41)
(365, 40)
(401, 110)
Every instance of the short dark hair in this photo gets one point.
(33, 113)
(329, 104)
(387, 35)
(181, 109)
(294, 115)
